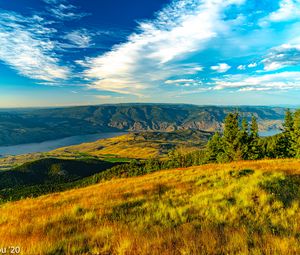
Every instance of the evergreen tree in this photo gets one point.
(255, 151)
(230, 140)
(288, 122)
(243, 141)
(296, 134)
(214, 148)
(284, 145)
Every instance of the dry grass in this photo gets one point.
(211, 209)
(130, 146)
(127, 146)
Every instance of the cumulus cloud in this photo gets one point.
(252, 65)
(221, 68)
(282, 56)
(152, 54)
(288, 9)
(26, 47)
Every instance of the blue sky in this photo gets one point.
(64, 52)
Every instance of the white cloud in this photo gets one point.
(282, 56)
(276, 81)
(79, 39)
(288, 10)
(179, 81)
(241, 67)
(151, 55)
(62, 10)
(103, 96)
(25, 47)
(252, 65)
(254, 89)
(221, 68)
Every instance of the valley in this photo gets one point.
(19, 126)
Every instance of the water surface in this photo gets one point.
(270, 132)
(53, 144)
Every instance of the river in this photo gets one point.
(53, 144)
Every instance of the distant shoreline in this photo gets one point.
(49, 145)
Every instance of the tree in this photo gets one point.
(296, 134)
(255, 151)
(214, 147)
(284, 145)
(288, 122)
(243, 141)
(230, 137)
(254, 128)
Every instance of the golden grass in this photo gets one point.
(127, 146)
(130, 146)
(210, 209)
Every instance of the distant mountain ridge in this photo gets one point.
(19, 126)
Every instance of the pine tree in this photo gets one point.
(284, 145)
(288, 122)
(230, 137)
(255, 151)
(214, 148)
(243, 141)
(296, 134)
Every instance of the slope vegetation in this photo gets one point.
(141, 145)
(237, 208)
(51, 170)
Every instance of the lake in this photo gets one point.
(53, 144)
(270, 132)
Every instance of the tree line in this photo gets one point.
(240, 140)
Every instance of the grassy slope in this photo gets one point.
(141, 145)
(134, 145)
(51, 170)
(237, 208)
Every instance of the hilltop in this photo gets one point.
(236, 208)
(36, 125)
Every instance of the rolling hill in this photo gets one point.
(35, 125)
(51, 170)
(236, 208)
(142, 145)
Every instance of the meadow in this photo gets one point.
(246, 207)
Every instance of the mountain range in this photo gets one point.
(18, 126)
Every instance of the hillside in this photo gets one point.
(36, 125)
(142, 145)
(51, 170)
(236, 208)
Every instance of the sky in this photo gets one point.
(205, 52)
